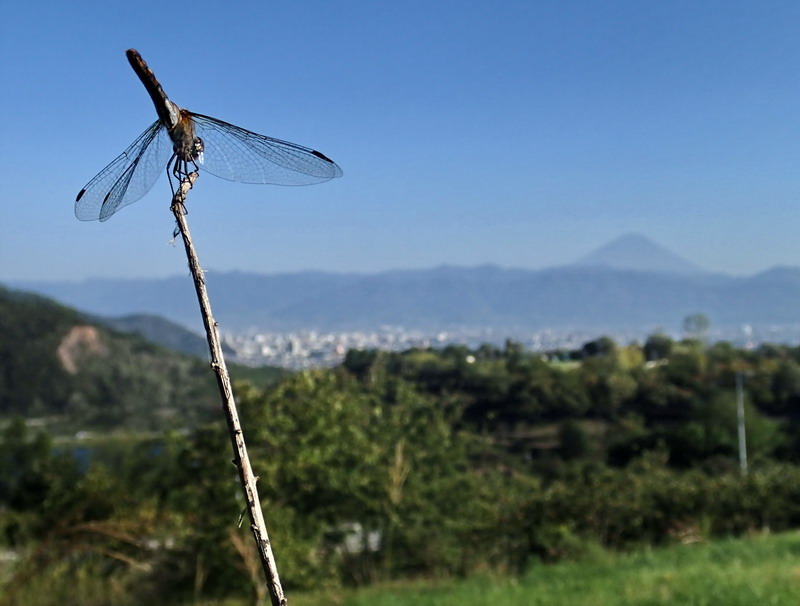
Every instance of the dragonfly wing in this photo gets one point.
(236, 154)
(129, 177)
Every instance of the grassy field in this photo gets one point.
(756, 571)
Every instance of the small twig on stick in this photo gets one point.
(241, 460)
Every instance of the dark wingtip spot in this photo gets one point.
(321, 155)
(80, 194)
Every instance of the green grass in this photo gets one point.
(757, 571)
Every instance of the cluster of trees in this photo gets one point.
(611, 401)
(422, 462)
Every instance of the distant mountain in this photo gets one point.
(585, 297)
(638, 253)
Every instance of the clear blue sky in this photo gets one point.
(518, 133)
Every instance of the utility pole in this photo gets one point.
(740, 418)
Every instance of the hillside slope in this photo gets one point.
(55, 362)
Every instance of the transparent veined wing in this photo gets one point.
(129, 177)
(236, 154)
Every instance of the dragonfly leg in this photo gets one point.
(171, 165)
(174, 170)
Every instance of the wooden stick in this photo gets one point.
(241, 460)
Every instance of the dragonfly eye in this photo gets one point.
(197, 149)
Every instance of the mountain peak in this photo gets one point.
(637, 253)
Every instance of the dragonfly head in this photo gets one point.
(197, 150)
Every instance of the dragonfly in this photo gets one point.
(181, 141)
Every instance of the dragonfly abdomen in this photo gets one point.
(166, 109)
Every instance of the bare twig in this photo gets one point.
(249, 563)
(242, 461)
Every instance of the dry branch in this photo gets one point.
(241, 460)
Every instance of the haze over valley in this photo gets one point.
(628, 289)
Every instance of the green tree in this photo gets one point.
(335, 451)
(696, 326)
(657, 347)
(602, 347)
(573, 441)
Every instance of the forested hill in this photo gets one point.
(158, 330)
(55, 362)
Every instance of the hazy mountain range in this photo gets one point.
(630, 283)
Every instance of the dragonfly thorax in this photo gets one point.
(186, 145)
